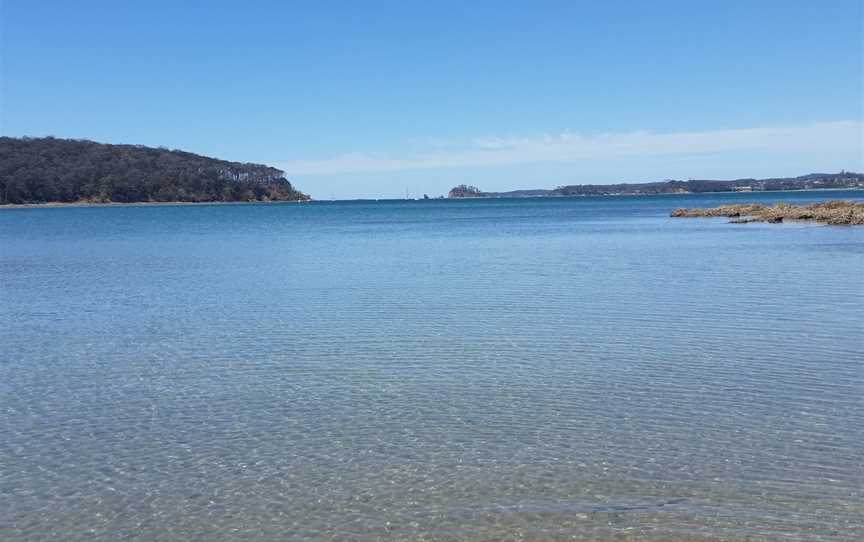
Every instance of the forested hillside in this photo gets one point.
(66, 170)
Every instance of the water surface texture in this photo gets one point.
(535, 369)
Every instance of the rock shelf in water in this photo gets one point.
(829, 212)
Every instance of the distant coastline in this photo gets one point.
(682, 194)
(814, 181)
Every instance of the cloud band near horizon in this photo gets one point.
(570, 147)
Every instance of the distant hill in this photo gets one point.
(812, 181)
(42, 170)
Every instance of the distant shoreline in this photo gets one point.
(725, 192)
(85, 204)
(812, 181)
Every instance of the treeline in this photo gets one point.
(41, 170)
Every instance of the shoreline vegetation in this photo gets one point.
(50, 171)
(835, 213)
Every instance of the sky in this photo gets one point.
(388, 99)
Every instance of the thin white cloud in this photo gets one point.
(569, 146)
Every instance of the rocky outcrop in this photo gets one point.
(829, 212)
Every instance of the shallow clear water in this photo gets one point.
(446, 370)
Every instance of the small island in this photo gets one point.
(465, 191)
(846, 213)
(70, 171)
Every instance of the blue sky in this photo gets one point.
(370, 99)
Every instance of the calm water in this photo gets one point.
(582, 369)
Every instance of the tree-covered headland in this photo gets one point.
(43, 170)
